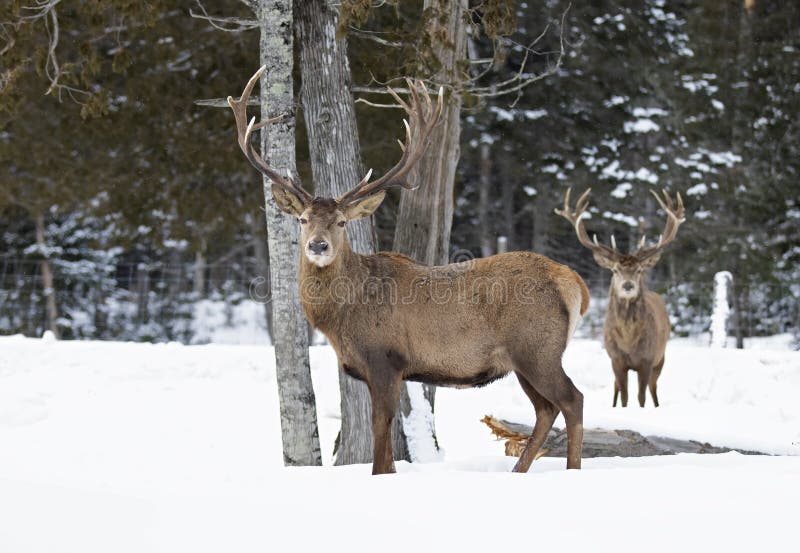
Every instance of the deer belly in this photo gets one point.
(464, 368)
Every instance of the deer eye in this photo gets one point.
(302, 221)
(342, 223)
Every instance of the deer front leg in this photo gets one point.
(620, 382)
(644, 379)
(385, 396)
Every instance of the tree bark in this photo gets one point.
(426, 214)
(334, 149)
(508, 213)
(487, 245)
(199, 283)
(541, 212)
(259, 289)
(48, 285)
(296, 394)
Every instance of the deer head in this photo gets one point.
(323, 220)
(628, 269)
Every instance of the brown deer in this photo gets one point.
(390, 319)
(637, 325)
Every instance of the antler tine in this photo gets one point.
(244, 132)
(583, 201)
(422, 118)
(575, 216)
(675, 216)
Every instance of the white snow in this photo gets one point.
(649, 112)
(615, 101)
(221, 322)
(502, 114)
(641, 125)
(160, 448)
(697, 189)
(622, 218)
(533, 114)
(621, 191)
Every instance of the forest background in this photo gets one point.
(139, 204)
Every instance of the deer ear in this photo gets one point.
(365, 207)
(604, 262)
(287, 202)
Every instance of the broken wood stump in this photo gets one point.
(598, 442)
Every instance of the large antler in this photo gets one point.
(244, 130)
(422, 118)
(575, 216)
(675, 216)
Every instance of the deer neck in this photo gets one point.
(324, 290)
(627, 310)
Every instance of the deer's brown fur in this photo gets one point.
(467, 324)
(464, 324)
(637, 327)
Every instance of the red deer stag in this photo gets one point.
(390, 319)
(637, 326)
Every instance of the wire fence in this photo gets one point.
(176, 302)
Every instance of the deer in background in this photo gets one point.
(390, 319)
(637, 325)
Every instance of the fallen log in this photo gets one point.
(598, 442)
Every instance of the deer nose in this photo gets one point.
(317, 247)
(627, 286)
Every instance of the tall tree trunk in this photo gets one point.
(199, 283)
(541, 212)
(335, 162)
(296, 394)
(426, 214)
(259, 290)
(508, 213)
(47, 277)
(487, 241)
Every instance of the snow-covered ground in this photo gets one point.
(139, 447)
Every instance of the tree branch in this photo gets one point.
(223, 102)
(373, 37)
(520, 80)
(218, 23)
(47, 10)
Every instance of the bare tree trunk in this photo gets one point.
(259, 289)
(47, 277)
(541, 211)
(142, 293)
(335, 162)
(508, 213)
(483, 201)
(200, 271)
(426, 214)
(296, 394)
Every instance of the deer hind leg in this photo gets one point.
(385, 395)
(546, 414)
(557, 387)
(616, 392)
(654, 381)
(570, 401)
